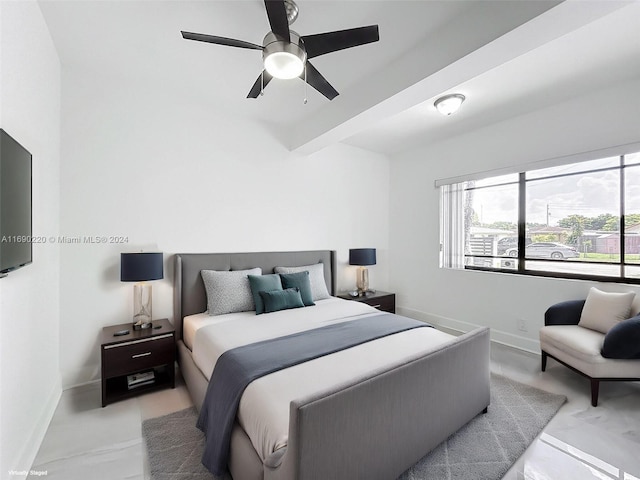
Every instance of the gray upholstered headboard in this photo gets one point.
(189, 293)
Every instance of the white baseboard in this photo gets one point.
(29, 451)
(80, 376)
(81, 384)
(459, 326)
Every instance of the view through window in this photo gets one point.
(564, 221)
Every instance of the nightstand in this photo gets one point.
(384, 301)
(149, 350)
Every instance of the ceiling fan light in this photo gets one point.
(449, 104)
(284, 65)
(282, 59)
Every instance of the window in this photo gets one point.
(577, 220)
(632, 215)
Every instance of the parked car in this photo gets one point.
(507, 243)
(557, 251)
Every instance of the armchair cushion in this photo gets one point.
(623, 340)
(580, 348)
(603, 310)
(580, 343)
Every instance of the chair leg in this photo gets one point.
(544, 361)
(595, 387)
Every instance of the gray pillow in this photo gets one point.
(228, 292)
(316, 278)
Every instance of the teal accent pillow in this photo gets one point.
(263, 283)
(316, 277)
(281, 299)
(301, 281)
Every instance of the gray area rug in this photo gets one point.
(484, 448)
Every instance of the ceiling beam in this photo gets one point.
(430, 69)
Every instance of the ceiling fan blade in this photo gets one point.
(322, 43)
(259, 84)
(230, 42)
(278, 20)
(317, 81)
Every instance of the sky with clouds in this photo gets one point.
(587, 194)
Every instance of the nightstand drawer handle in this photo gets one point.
(141, 355)
(376, 306)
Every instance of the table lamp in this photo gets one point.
(362, 257)
(141, 268)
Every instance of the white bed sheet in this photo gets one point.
(264, 408)
(192, 323)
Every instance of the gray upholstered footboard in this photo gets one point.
(377, 426)
(380, 425)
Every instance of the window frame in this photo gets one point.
(521, 268)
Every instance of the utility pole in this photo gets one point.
(547, 214)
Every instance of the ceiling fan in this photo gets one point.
(286, 54)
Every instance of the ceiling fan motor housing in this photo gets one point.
(284, 59)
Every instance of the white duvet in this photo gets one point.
(264, 409)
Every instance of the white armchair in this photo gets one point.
(599, 347)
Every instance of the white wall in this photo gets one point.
(29, 298)
(175, 175)
(464, 299)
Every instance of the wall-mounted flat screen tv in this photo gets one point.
(15, 205)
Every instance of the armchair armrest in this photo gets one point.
(564, 313)
(623, 340)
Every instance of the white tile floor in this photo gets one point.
(580, 443)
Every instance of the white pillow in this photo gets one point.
(228, 291)
(316, 279)
(603, 310)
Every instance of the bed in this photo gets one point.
(371, 422)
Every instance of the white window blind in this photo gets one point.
(452, 236)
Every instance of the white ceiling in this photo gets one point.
(602, 53)
(506, 56)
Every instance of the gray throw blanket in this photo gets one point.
(238, 367)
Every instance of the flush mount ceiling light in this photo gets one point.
(449, 103)
(283, 60)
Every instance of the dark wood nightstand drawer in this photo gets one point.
(127, 357)
(386, 303)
